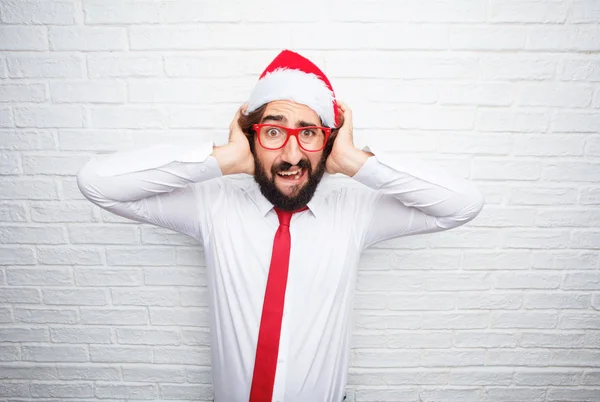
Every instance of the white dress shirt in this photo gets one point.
(183, 189)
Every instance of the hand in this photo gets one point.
(236, 156)
(345, 158)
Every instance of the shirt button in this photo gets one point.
(281, 361)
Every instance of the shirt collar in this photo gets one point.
(315, 205)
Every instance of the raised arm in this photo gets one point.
(164, 185)
(407, 198)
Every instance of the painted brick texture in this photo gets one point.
(503, 92)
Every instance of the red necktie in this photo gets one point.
(267, 348)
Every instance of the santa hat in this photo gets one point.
(293, 77)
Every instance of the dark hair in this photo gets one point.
(247, 121)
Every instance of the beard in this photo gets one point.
(269, 189)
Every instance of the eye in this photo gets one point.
(273, 132)
(308, 133)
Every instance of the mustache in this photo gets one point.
(284, 166)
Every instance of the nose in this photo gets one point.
(292, 153)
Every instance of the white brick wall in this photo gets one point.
(504, 92)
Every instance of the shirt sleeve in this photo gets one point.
(161, 185)
(411, 198)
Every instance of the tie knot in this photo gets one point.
(286, 216)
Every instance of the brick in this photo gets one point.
(505, 67)
(580, 70)
(14, 390)
(585, 239)
(589, 195)
(144, 297)
(96, 372)
(26, 188)
(548, 145)
(453, 281)
(479, 377)
(389, 282)
(38, 12)
(10, 352)
(516, 394)
(87, 234)
(161, 236)
(493, 260)
(18, 140)
(583, 11)
(575, 122)
(190, 11)
(518, 358)
(575, 358)
(126, 391)
(537, 239)
(19, 295)
(124, 65)
(448, 118)
(147, 337)
(75, 297)
(487, 339)
(154, 374)
(571, 394)
(10, 163)
(62, 390)
(503, 37)
(96, 91)
(46, 316)
(69, 256)
(387, 36)
(499, 120)
(17, 256)
(198, 375)
(55, 353)
(553, 377)
(592, 146)
(36, 276)
(505, 217)
(186, 391)
(421, 303)
(114, 316)
(103, 277)
(94, 140)
(370, 341)
(5, 315)
(528, 11)
(87, 38)
(13, 213)
(45, 66)
(188, 91)
(520, 319)
(529, 195)
(418, 340)
(181, 355)
(590, 378)
(555, 95)
(32, 235)
(128, 117)
(487, 301)
(579, 320)
(174, 277)
(385, 359)
(564, 259)
(198, 37)
(446, 260)
(81, 335)
(67, 116)
(194, 298)
(201, 116)
(453, 320)
(519, 280)
(6, 117)
(25, 371)
(490, 169)
(23, 93)
(564, 38)
(63, 212)
(193, 317)
(555, 300)
(392, 394)
(122, 12)
(120, 354)
(567, 218)
(24, 335)
(195, 337)
(23, 38)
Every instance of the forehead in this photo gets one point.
(291, 111)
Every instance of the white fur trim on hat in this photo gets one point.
(297, 86)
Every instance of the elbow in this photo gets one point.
(85, 181)
(477, 201)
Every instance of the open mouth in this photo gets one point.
(291, 175)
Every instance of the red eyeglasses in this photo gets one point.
(311, 139)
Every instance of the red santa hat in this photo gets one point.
(291, 76)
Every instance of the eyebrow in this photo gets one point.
(283, 119)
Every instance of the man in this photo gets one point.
(281, 249)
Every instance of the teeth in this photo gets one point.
(296, 173)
